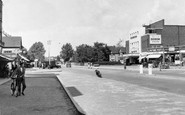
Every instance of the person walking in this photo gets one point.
(22, 68)
(18, 79)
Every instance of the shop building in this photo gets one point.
(165, 40)
(12, 45)
(133, 46)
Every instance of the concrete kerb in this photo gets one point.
(4, 81)
(69, 95)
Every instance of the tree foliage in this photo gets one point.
(37, 51)
(98, 52)
(102, 52)
(66, 52)
(84, 53)
(119, 44)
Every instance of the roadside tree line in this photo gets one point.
(85, 53)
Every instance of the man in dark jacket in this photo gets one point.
(18, 79)
(22, 68)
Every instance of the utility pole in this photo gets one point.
(49, 43)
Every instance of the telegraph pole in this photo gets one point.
(49, 43)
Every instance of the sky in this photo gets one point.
(84, 21)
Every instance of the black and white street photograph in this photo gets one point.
(92, 57)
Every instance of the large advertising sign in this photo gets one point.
(155, 39)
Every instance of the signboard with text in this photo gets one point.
(155, 39)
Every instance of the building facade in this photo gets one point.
(161, 38)
(12, 46)
(1, 43)
(135, 40)
(116, 53)
(133, 46)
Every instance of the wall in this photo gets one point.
(1, 43)
(135, 40)
(173, 35)
(158, 24)
(170, 35)
(127, 47)
(144, 43)
(182, 35)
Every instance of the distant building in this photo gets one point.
(116, 53)
(135, 40)
(133, 46)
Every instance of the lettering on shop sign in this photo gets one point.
(155, 39)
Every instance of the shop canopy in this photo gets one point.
(5, 58)
(142, 57)
(126, 56)
(153, 56)
(131, 55)
(22, 57)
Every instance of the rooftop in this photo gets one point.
(12, 42)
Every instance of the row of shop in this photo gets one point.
(7, 62)
(172, 58)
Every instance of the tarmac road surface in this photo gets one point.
(43, 96)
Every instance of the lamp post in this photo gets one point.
(49, 43)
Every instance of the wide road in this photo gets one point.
(176, 86)
(44, 95)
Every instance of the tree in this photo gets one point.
(37, 51)
(84, 53)
(67, 52)
(101, 52)
(119, 44)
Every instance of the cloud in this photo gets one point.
(170, 10)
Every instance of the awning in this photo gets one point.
(142, 57)
(130, 55)
(24, 58)
(5, 58)
(154, 56)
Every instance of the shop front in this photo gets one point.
(131, 59)
(4, 60)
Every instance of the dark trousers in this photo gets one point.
(23, 84)
(18, 85)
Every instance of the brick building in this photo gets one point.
(168, 38)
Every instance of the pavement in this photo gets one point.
(3, 80)
(101, 96)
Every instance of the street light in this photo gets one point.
(49, 43)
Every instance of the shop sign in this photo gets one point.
(171, 49)
(155, 39)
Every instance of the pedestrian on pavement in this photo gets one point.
(22, 68)
(160, 65)
(125, 67)
(18, 79)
